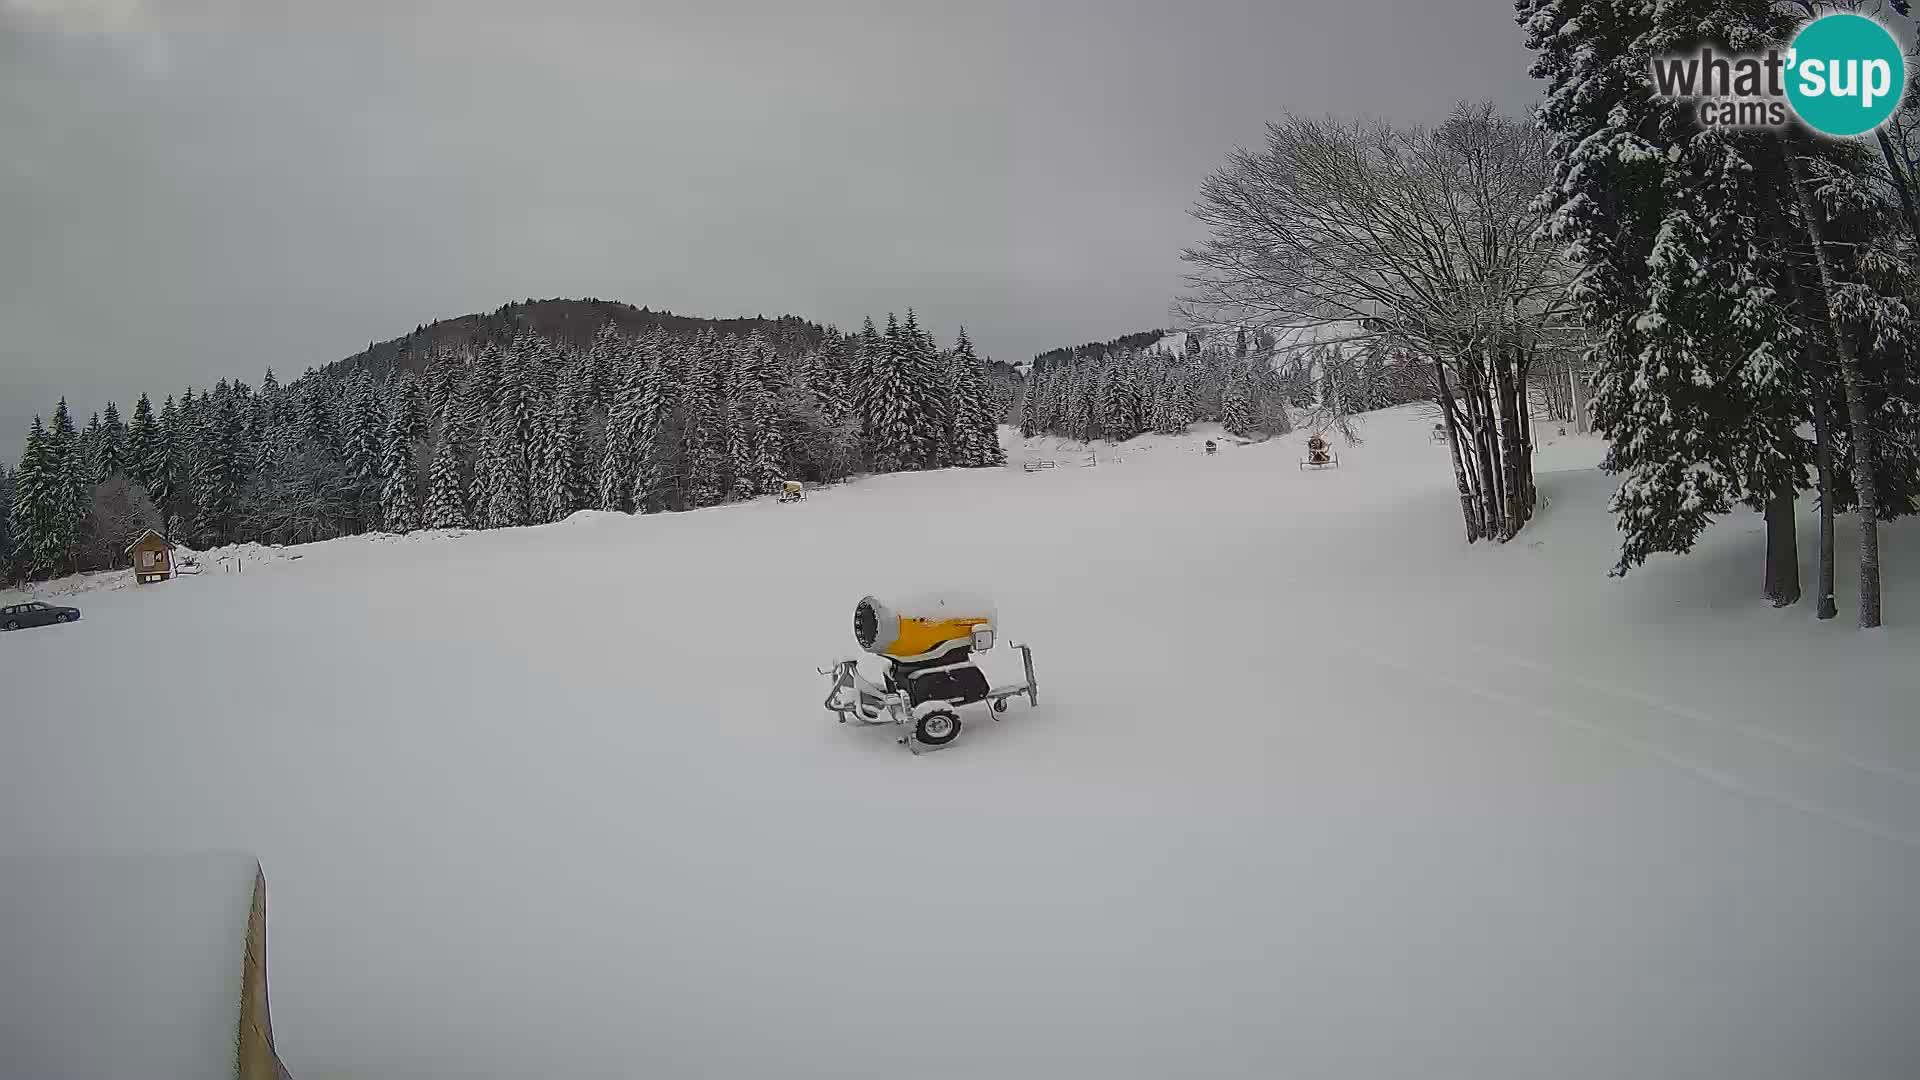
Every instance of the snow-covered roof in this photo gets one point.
(142, 538)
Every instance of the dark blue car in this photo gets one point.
(35, 613)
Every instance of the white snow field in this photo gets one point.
(1314, 789)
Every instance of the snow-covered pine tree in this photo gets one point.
(142, 435)
(508, 442)
(761, 385)
(947, 448)
(1236, 413)
(477, 392)
(38, 546)
(976, 430)
(543, 481)
(769, 444)
(1081, 385)
(399, 499)
(614, 480)
(891, 398)
(219, 470)
(443, 378)
(869, 359)
(560, 486)
(166, 464)
(360, 430)
(922, 382)
(167, 469)
(110, 454)
(90, 447)
(408, 405)
(658, 365)
(1032, 405)
(446, 488)
(1694, 382)
(8, 549)
(828, 378)
(741, 380)
(1111, 419)
(72, 486)
(703, 448)
(502, 468)
(319, 426)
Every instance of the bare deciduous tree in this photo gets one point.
(1424, 239)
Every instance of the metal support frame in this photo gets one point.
(853, 697)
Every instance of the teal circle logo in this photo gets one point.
(1846, 74)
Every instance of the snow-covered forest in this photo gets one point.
(1739, 301)
(1245, 383)
(520, 432)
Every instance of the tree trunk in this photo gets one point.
(1825, 608)
(1573, 391)
(1513, 440)
(1530, 446)
(1850, 377)
(1481, 430)
(1899, 176)
(1783, 549)
(1468, 512)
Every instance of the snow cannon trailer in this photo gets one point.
(1320, 455)
(928, 645)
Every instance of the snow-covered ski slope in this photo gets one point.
(1314, 789)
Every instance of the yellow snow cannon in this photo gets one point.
(927, 642)
(923, 626)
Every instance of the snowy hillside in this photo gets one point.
(1313, 790)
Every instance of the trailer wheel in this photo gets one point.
(937, 727)
(999, 704)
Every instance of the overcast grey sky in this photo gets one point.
(198, 189)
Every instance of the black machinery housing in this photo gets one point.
(948, 676)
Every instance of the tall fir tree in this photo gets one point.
(654, 400)
(72, 487)
(558, 479)
(925, 403)
(704, 434)
(89, 456)
(1236, 413)
(1695, 389)
(111, 453)
(143, 434)
(7, 546)
(892, 399)
(219, 471)
(37, 541)
(399, 497)
(446, 489)
(976, 427)
(869, 359)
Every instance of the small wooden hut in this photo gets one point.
(151, 557)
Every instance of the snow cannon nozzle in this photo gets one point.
(918, 625)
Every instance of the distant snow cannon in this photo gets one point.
(927, 641)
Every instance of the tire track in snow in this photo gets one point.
(1752, 731)
(1717, 777)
